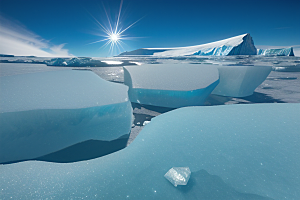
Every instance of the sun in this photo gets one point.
(114, 37)
(113, 33)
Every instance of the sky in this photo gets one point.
(71, 27)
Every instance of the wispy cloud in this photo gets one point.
(16, 39)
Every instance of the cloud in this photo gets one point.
(296, 48)
(17, 40)
(58, 50)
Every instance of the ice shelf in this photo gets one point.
(170, 85)
(276, 52)
(233, 152)
(45, 112)
(238, 45)
(240, 81)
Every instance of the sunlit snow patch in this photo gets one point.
(170, 85)
(112, 62)
(45, 112)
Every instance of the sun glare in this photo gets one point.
(114, 37)
(113, 33)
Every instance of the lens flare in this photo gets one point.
(113, 34)
(114, 37)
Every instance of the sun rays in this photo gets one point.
(113, 33)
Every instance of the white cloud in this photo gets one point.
(58, 50)
(17, 40)
(296, 48)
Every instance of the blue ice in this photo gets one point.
(47, 111)
(233, 152)
(240, 81)
(170, 85)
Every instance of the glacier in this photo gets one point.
(43, 112)
(170, 85)
(240, 80)
(238, 45)
(276, 52)
(233, 152)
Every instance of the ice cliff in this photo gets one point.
(238, 45)
(276, 52)
(44, 112)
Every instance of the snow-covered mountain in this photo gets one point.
(238, 45)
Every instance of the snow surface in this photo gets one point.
(240, 81)
(170, 85)
(250, 149)
(44, 112)
(66, 89)
(238, 45)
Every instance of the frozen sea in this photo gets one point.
(281, 86)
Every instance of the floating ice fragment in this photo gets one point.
(178, 175)
(240, 81)
(41, 113)
(170, 85)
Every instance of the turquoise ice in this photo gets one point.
(276, 52)
(47, 111)
(170, 85)
(233, 152)
(240, 81)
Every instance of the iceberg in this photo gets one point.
(170, 85)
(45, 112)
(178, 175)
(276, 52)
(240, 81)
(233, 152)
(238, 45)
(85, 62)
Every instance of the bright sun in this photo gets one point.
(113, 33)
(114, 37)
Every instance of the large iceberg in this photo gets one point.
(276, 52)
(44, 112)
(240, 80)
(170, 85)
(238, 45)
(233, 152)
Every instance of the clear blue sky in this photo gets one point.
(164, 23)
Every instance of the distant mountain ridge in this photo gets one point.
(238, 45)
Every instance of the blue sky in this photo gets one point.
(66, 27)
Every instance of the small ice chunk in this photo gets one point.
(178, 175)
(146, 122)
